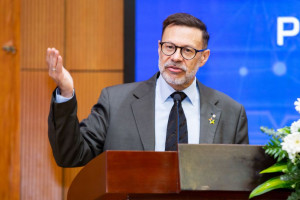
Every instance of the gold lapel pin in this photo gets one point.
(212, 119)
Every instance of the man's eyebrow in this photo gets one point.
(181, 45)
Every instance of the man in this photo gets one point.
(137, 116)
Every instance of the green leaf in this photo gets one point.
(277, 167)
(280, 133)
(271, 184)
(291, 166)
(282, 155)
(273, 148)
(293, 176)
(286, 130)
(294, 195)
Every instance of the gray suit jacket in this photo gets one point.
(123, 119)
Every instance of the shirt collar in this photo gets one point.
(166, 90)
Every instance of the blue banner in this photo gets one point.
(255, 54)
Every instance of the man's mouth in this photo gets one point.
(174, 69)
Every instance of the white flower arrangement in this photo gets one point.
(284, 146)
(291, 144)
(295, 127)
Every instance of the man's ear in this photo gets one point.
(204, 57)
(158, 46)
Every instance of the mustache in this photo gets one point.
(173, 64)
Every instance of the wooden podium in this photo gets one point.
(204, 171)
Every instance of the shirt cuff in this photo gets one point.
(61, 99)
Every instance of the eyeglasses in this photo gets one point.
(187, 53)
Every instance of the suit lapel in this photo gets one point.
(145, 103)
(209, 114)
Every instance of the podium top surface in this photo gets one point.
(201, 167)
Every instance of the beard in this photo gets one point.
(178, 81)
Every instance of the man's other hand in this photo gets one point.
(58, 73)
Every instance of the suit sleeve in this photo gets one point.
(242, 128)
(75, 144)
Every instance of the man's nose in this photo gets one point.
(177, 57)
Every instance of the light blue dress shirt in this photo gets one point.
(62, 99)
(163, 106)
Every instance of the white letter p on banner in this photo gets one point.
(281, 33)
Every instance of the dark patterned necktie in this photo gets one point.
(176, 124)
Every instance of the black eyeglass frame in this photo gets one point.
(196, 50)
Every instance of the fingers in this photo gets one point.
(52, 58)
(58, 73)
(59, 64)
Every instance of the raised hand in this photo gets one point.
(58, 73)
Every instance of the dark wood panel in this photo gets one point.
(125, 172)
(79, 30)
(41, 177)
(42, 26)
(88, 87)
(209, 195)
(94, 34)
(9, 101)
